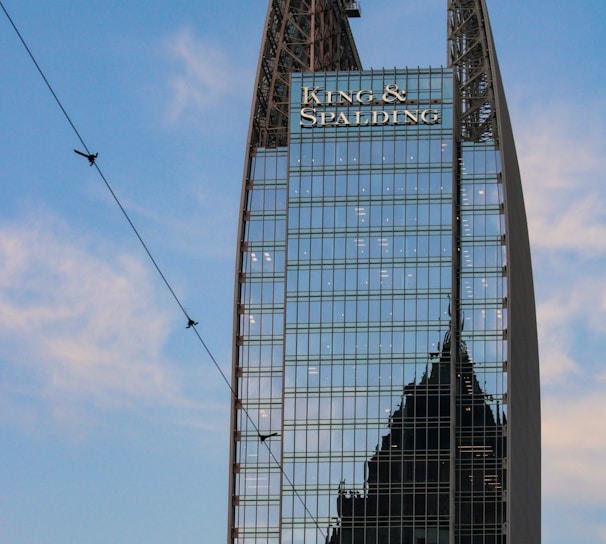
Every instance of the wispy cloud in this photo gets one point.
(206, 224)
(203, 76)
(79, 326)
(562, 167)
(574, 442)
(571, 317)
(563, 162)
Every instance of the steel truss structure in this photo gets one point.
(307, 36)
(484, 119)
(469, 56)
(300, 36)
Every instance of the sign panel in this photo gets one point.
(363, 107)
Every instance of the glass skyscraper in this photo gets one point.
(385, 371)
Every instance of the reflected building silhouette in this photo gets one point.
(407, 489)
(369, 198)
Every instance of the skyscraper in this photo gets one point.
(385, 374)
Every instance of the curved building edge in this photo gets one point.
(524, 433)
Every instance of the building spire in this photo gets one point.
(469, 56)
(300, 36)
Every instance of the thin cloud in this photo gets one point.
(79, 327)
(205, 226)
(557, 366)
(202, 76)
(562, 169)
(574, 441)
(562, 165)
(581, 302)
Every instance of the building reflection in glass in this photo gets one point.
(408, 479)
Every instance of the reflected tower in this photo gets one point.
(385, 371)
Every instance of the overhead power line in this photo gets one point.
(190, 322)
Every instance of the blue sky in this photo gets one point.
(114, 421)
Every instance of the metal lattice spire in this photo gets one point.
(470, 58)
(300, 36)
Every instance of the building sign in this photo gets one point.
(322, 108)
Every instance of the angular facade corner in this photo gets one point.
(369, 225)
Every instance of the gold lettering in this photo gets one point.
(393, 94)
(365, 97)
(435, 117)
(375, 118)
(308, 114)
(343, 120)
(359, 118)
(409, 117)
(346, 97)
(309, 94)
(317, 96)
(327, 118)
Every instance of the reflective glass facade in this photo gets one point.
(369, 279)
(357, 239)
(385, 369)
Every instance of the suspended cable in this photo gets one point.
(190, 322)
